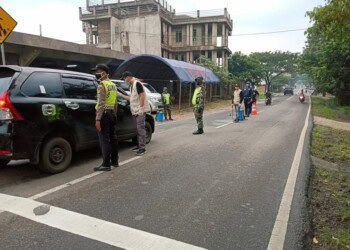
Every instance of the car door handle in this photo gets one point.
(71, 105)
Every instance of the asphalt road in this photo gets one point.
(220, 190)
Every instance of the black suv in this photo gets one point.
(288, 90)
(47, 114)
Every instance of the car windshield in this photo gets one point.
(150, 88)
(122, 84)
(5, 80)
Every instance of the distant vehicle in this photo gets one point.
(288, 91)
(154, 98)
(47, 114)
(268, 101)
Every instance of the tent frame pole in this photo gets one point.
(180, 96)
(211, 92)
(190, 94)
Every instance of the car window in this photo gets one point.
(79, 88)
(125, 85)
(122, 84)
(43, 84)
(120, 98)
(150, 88)
(5, 80)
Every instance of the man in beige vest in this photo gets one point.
(139, 106)
(237, 100)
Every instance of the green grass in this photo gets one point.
(331, 189)
(327, 107)
(331, 206)
(331, 145)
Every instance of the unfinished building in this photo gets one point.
(154, 27)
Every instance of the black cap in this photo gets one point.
(199, 79)
(126, 74)
(103, 67)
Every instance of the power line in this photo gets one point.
(270, 32)
(191, 36)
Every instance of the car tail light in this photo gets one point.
(7, 110)
(4, 152)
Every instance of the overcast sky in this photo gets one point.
(60, 20)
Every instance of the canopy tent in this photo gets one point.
(156, 68)
(161, 72)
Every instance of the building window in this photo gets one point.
(179, 36)
(194, 35)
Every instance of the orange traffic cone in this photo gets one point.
(254, 111)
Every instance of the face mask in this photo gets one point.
(98, 76)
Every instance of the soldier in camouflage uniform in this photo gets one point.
(198, 102)
(167, 103)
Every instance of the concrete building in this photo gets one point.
(37, 51)
(154, 27)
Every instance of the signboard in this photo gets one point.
(7, 24)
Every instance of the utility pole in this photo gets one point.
(40, 30)
(3, 54)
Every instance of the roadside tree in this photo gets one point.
(326, 57)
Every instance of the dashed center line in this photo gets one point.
(225, 125)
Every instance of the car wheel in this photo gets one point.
(148, 132)
(56, 155)
(3, 163)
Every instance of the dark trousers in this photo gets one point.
(141, 130)
(247, 106)
(167, 111)
(198, 114)
(108, 139)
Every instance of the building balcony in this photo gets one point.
(190, 48)
(199, 16)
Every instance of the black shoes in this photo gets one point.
(103, 168)
(141, 152)
(135, 149)
(116, 165)
(198, 132)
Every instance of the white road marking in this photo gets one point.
(290, 97)
(73, 182)
(280, 228)
(76, 181)
(89, 227)
(225, 125)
